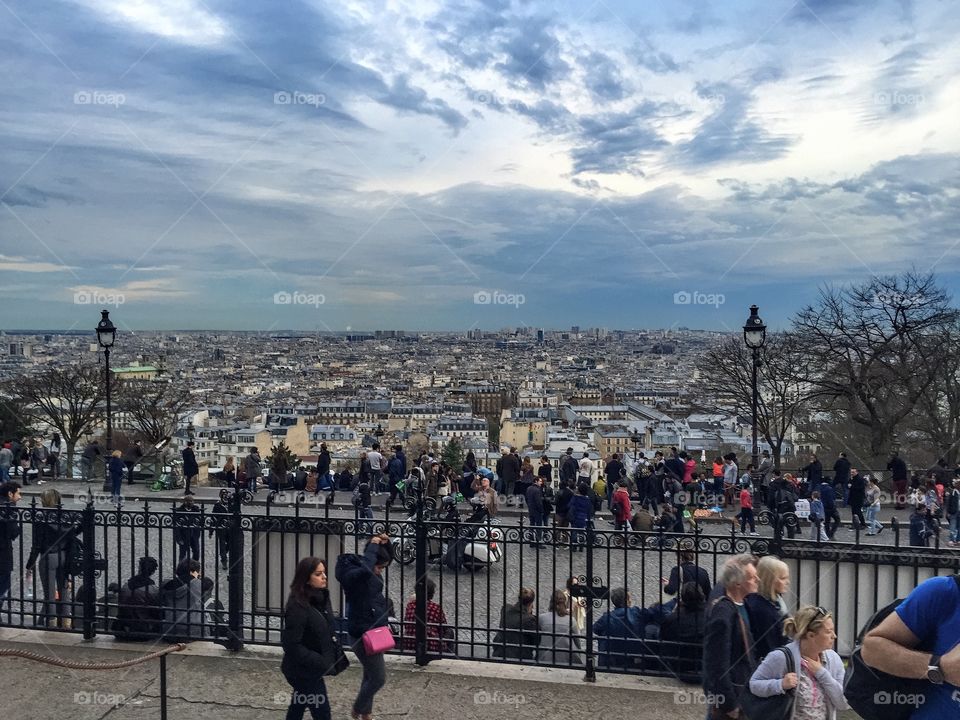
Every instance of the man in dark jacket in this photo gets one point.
(510, 470)
(728, 660)
(857, 496)
(519, 634)
(323, 469)
(687, 571)
(182, 600)
(186, 530)
(190, 468)
(138, 613)
(814, 471)
(9, 531)
(367, 608)
(898, 474)
(568, 467)
(536, 511)
(90, 454)
(613, 472)
(841, 476)
(621, 631)
(221, 513)
(252, 468)
(396, 471)
(131, 456)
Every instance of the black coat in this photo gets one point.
(814, 473)
(858, 492)
(519, 634)
(9, 531)
(308, 639)
(190, 467)
(727, 662)
(683, 626)
(766, 624)
(841, 470)
(691, 573)
(534, 498)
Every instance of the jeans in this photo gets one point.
(86, 469)
(130, 466)
(834, 515)
(817, 532)
(872, 525)
(746, 516)
(538, 521)
(578, 538)
(53, 578)
(4, 473)
(189, 547)
(312, 695)
(955, 528)
(717, 490)
(374, 677)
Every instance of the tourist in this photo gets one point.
(622, 510)
(872, 495)
(585, 470)
(53, 545)
(439, 632)
(536, 511)
(182, 599)
(953, 512)
(929, 618)
(767, 608)
(681, 632)
(818, 670)
(186, 529)
(579, 512)
(687, 571)
(9, 531)
(309, 641)
(577, 605)
(817, 518)
(138, 604)
(115, 469)
(559, 638)
(519, 633)
(856, 498)
(131, 456)
(360, 577)
(621, 631)
(190, 468)
(728, 658)
(746, 511)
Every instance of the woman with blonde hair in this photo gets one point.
(559, 636)
(116, 468)
(53, 545)
(818, 680)
(766, 608)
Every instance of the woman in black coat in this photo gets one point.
(310, 646)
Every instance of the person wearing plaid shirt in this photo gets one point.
(437, 628)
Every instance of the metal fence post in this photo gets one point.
(420, 632)
(88, 530)
(591, 674)
(235, 576)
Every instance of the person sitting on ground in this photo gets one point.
(642, 520)
(519, 635)
(690, 571)
(621, 631)
(558, 633)
(685, 626)
(439, 633)
(767, 608)
(818, 674)
(138, 614)
(182, 600)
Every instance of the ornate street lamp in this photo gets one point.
(755, 335)
(106, 336)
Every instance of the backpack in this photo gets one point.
(866, 688)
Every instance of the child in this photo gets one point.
(746, 510)
(817, 517)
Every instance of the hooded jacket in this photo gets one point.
(363, 590)
(182, 601)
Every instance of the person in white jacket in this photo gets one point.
(818, 680)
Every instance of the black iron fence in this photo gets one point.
(602, 599)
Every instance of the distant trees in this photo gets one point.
(68, 397)
(453, 454)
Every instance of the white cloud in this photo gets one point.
(185, 21)
(19, 264)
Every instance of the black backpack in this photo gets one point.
(866, 688)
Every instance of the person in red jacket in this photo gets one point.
(746, 511)
(622, 511)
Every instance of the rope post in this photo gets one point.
(163, 687)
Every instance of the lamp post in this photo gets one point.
(754, 335)
(106, 336)
(635, 438)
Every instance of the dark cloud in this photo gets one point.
(407, 99)
(532, 54)
(29, 196)
(602, 77)
(730, 132)
(617, 142)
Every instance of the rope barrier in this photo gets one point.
(73, 665)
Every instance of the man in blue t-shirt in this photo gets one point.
(928, 618)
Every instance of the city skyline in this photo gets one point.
(433, 167)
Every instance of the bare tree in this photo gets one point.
(875, 347)
(783, 393)
(68, 397)
(937, 415)
(154, 407)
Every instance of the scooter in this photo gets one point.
(480, 543)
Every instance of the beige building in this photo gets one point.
(521, 433)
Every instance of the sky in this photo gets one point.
(469, 164)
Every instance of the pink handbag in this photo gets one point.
(378, 640)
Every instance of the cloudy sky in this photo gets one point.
(463, 164)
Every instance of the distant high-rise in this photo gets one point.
(575, 329)
(540, 337)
